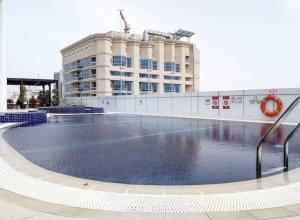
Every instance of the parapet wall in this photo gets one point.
(235, 105)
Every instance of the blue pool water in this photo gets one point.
(152, 150)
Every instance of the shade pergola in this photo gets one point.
(33, 82)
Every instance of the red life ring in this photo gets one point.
(263, 105)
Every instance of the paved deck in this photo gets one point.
(31, 192)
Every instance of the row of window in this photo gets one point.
(84, 62)
(122, 61)
(82, 86)
(80, 95)
(124, 86)
(143, 86)
(145, 75)
(78, 75)
(118, 73)
(144, 64)
(172, 77)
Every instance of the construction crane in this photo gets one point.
(126, 28)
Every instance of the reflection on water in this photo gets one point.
(152, 150)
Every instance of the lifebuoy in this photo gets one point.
(263, 105)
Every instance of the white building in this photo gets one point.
(116, 63)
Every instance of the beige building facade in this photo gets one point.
(116, 63)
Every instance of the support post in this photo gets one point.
(50, 94)
(43, 97)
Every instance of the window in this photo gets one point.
(121, 85)
(68, 87)
(118, 85)
(84, 62)
(85, 74)
(169, 66)
(83, 86)
(93, 59)
(145, 75)
(129, 62)
(93, 72)
(172, 77)
(93, 85)
(144, 64)
(68, 77)
(148, 64)
(119, 61)
(145, 86)
(168, 87)
(155, 65)
(118, 73)
(177, 67)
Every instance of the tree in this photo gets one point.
(44, 97)
(22, 97)
(55, 97)
(32, 102)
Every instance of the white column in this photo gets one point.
(3, 78)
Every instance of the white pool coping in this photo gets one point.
(16, 176)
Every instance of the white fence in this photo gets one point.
(236, 105)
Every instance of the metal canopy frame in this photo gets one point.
(183, 33)
(30, 82)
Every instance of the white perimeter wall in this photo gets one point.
(243, 104)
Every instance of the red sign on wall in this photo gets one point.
(215, 102)
(226, 102)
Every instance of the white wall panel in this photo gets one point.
(165, 104)
(141, 104)
(243, 104)
(130, 104)
(152, 104)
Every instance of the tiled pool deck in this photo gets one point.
(61, 197)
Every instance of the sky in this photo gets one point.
(248, 44)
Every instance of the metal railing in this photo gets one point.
(273, 128)
(286, 147)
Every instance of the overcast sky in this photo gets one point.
(245, 44)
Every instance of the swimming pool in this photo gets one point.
(151, 149)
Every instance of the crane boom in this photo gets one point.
(127, 27)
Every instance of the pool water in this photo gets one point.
(151, 149)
